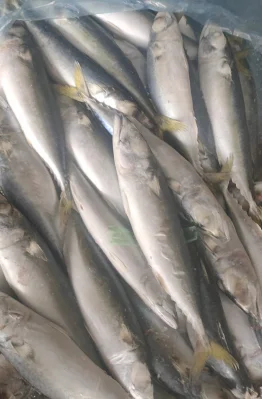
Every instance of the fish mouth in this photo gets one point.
(162, 21)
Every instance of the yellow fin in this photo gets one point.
(166, 124)
(70, 92)
(80, 82)
(65, 206)
(224, 174)
(214, 350)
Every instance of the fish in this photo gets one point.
(31, 97)
(36, 278)
(244, 339)
(118, 243)
(61, 58)
(221, 89)
(190, 47)
(92, 39)
(133, 26)
(169, 86)
(107, 312)
(186, 28)
(91, 147)
(25, 180)
(156, 224)
(48, 359)
(136, 57)
(170, 356)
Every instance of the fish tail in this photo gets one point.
(69, 91)
(166, 124)
(65, 207)
(206, 350)
(223, 176)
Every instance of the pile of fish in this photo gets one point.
(130, 209)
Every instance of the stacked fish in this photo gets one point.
(130, 219)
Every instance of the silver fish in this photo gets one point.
(217, 234)
(29, 94)
(91, 147)
(48, 359)
(186, 29)
(91, 39)
(169, 85)
(36, 278)
(25, 180)
(133, 26)
(61, 58)
(154, 219)
(120, 246)
(224, 100)
(244, 339)
(135, 56)
(107, 313)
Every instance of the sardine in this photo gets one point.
(107, 312)
(169, 85)
(61, 58)
(25, 181)
(91, 39)
(91, 147)
(135, 56)
(133, 26)
(119, 245)
(36, 279)
(244, 339)
(224, 100)
(30, 95)
(48, 359)
(186, 29)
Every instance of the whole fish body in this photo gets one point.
(224, 100)
(29, 94)
(135, 56)
(119, 245)
(36, 279)
(91, 147)
(25, 181)
(154, 220)
(48, 359)
(169, 85)
(90, 38)
(61, 58)
(244, 339)
(107, 313)
(133, 26)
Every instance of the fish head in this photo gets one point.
(131, 151)
(212, 41)
(163, 25)
(9, 318)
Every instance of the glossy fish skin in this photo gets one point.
(48, 359)
(60, 57)
(36, 278)
(218, 237)
(171, 358)
(30, 95)
(133, 26)
(244, 339)
(135, 56)
(169, 84)
(91, 147)
(25, 180)
(119, 245)
(107, 313)
(155, 220)
(224, 101)
(91, 39)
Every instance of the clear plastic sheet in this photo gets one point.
(235, 16)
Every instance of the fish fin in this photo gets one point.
(65, 206)
(223, 176)
(190, 233)
(166, 124)
(69, 91)
(80, 82)
(203, 353)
